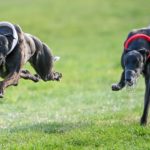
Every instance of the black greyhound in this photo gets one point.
(135, 60)
(17, 48)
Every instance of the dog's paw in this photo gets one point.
(25, 71)
(115, 87)
(57, 76)
(1, 95)
(143, 121)
(36, 78)
(1, 90)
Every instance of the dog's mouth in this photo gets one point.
(131, 77)
(131, 83)
(2, 60)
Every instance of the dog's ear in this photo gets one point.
(126, 50)
(144, 52)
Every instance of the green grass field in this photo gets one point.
(81, 111)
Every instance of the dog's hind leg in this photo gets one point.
(25, 74)
(121, 84)
(42, 62)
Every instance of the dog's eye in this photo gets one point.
(126, 61)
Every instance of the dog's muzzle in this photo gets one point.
(130, 76)
(2, 60)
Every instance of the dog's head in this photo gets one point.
(3, 48)
(133, 62)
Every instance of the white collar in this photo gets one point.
(15, 35)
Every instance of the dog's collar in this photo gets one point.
(134, 37)
(15, 35)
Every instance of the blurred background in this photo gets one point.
(81, 111)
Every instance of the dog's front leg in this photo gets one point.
(11, 79)
(121, 84)
(146, 101)
(25, 74)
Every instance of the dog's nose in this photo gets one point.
(128, 80)
(1, 58)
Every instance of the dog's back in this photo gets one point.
(145, 31)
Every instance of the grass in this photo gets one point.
(80, 112)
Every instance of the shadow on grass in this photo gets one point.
(50, 128)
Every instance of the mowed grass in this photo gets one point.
(81, 111)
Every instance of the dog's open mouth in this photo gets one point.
(2, 61)
(130, 84)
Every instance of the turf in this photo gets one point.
(81, 111)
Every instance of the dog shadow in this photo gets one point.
(49, 128)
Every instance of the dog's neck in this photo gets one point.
(135, 37)
(129, 44)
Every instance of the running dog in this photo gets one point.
(17, 48)
(135, 61)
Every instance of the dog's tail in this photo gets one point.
(56, 58)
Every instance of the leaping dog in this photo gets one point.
(17, 48)
(135, 61)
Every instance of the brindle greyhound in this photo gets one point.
(135, 60)
(16, 48)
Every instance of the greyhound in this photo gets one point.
(135, 61)
(18, 48)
